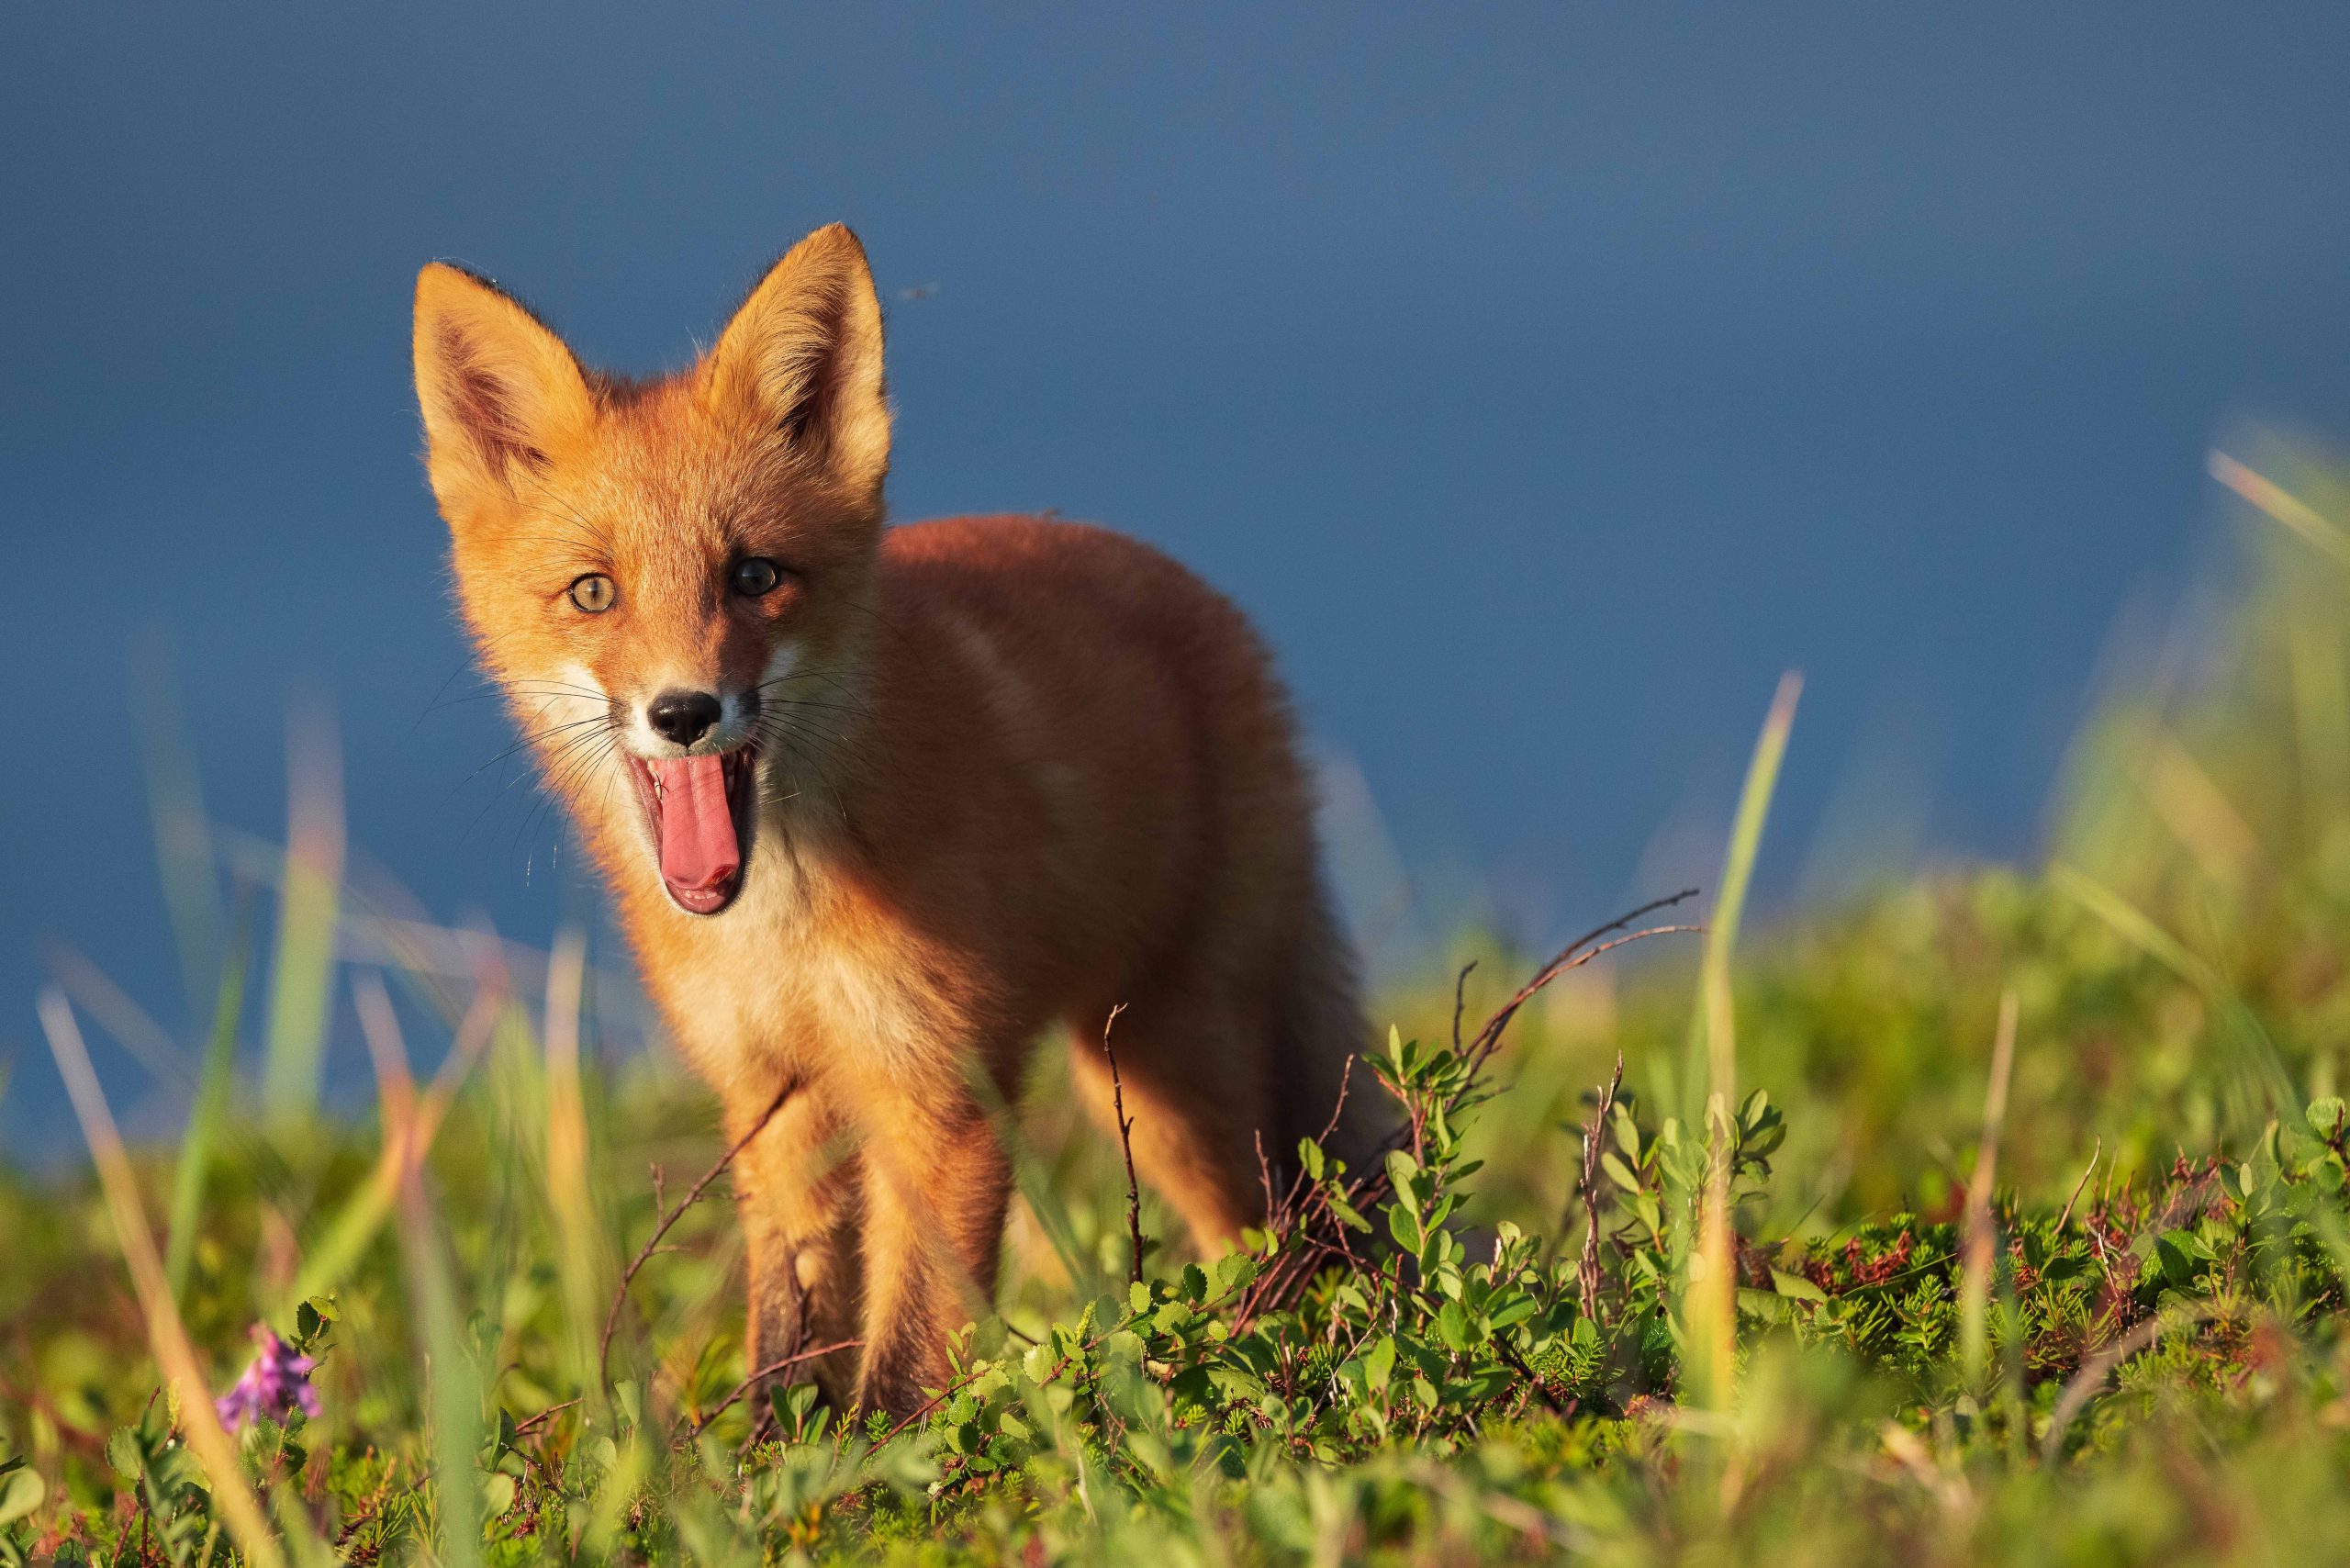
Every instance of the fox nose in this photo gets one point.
(682, 716)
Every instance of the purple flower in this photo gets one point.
(277, 1384)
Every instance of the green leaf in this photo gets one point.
(123, 1453)
(1627, 1133)
(1235, 1272)
(2059, 1270)
(1512, 1312)
(1234, 1384)
(1620, 1172)
(1797, 1287)
(21, 1493)
(1195, 1285)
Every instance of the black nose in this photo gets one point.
(682, 716)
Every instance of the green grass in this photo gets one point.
(2152, 1367)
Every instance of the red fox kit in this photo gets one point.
(880, 806)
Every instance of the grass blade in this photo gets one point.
(205, 1118)
(579, 1240)
(302, 990)
(454, 1391)
(184, 858)
(1710, 1311)
(347, 1237)
(165, 1332)
(1975, 1281)
(2303, 518)
(2257, 1058)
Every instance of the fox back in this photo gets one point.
(881, 808)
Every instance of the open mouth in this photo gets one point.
(699, 811)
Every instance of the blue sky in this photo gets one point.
(1544, 379)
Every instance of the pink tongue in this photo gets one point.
(698, 848)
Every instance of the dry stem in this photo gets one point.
(1125, 1143)
(628, 1276)
(1587, 1271)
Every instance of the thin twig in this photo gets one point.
(522, 1426)
(2079, 1184)
(765, 1373)
(1587, 1271)
(1125, 1143)
(1345, 1077)
(1459, 999)
(1571, 956)
(1265, 1178)
(628, 1275)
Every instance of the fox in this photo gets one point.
(883, 806)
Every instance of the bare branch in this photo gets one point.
(1587, 1271)
(786, 1364)
(1125, 1143)
(628, 1276)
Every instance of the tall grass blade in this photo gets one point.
(207, 1118)
(454, 1391)
(2257, 1058)
(166, 1334)
(2321, 714)
(302, 989)
(2325, 535)
(1975, 1280)
(1710, 1313)
(2194, 808)
(579, 1240)
(133, 1028)
(328, 1261)
(184, 856)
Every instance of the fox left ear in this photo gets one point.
(802, 358)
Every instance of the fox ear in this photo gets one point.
(802, 358)
(500, 391)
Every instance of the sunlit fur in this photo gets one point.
(1012, 773)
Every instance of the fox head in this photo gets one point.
(670, 579)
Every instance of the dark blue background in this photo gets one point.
(1545, 380)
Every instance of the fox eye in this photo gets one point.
(593, 593)
(757, 576)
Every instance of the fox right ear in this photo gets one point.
(500, 391)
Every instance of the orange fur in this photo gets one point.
(1012, 772)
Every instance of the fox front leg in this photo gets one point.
(935, 1188)
(796, 1187)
